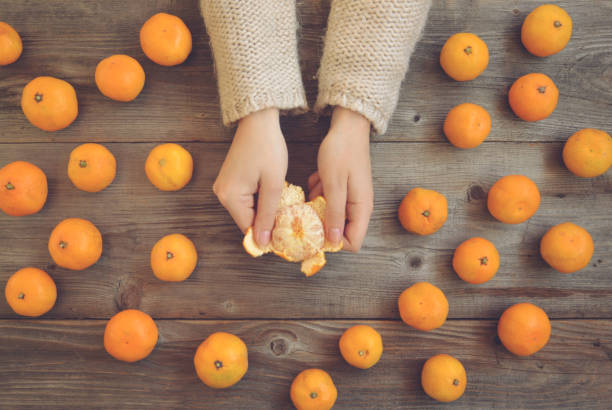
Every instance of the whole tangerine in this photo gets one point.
(173, 258)
(464, 56)
(75, 244)
(524, 329)
(169, 167)
(476, 260)
(443, 378)
(423, 306)
(221, 360)
(120, 77)
(91, 167)
(130, 335)
(567, 247)
(165, 39)
(23, 188)
(423, 211)
(546, 30)
(313, 389)
(513, 199)
(467, 125)
(49, 103)
(533, 97)
(30, 292)
(10, 44)
(361, 346)
(588, 153)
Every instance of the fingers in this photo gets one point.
(335, 213)
(239, 206)
(267, 205)
(359, 209)
(313, 180)
(315, 191)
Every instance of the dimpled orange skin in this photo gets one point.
(567, 247)
(524, 329)
(173, 258)
(546, 30)
(30, 292)
(476, 260)
(423, 211)
(221, 360)
(588, 153)
(75, 244)
(467, 125)
(423, 306)
(443, 378)
(169, 167)
(464, 56)
(91, 167)
(49, 103)
(120, 77)
(313, 389)
(361, 346)
(513, 199)
(165, 39)
(10, 44)
(533, 97)
(23, 188)
(130, 335)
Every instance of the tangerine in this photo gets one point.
(533, 97)
(173, 258)
(567, 247)
(165, 39)
(313, 389)
(588, 153)
(513, 199)
(49, 103)
(120, 77)
(361, 346)
(130, 335)
(10, 44)
(423, 306)
(524, 329)
(546, 30)
(91, 167)
(75, 244)
(221, 360)
(23, 188)
(464, 56)
(423, 211)
(30, 292)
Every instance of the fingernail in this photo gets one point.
(335, 236)
(263, 238)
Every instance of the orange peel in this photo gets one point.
(298, 234)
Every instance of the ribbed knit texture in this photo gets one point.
(366, 54)
(254, 43)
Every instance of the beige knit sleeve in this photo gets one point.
(254, 43)
(366, 54)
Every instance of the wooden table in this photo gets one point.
(289, 322)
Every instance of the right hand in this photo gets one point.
(256, 163)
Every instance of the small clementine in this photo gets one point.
(75, 244)
(120, 77)
(173, 258)
(23, 188)
(567, 247)
(221, 360)
(513, 199)
(313, 389)
(533, 97)
(30, 292)
(165, 39)
(443, 378)
(169, 167)
(10, 44)
(423, 306)
(464, 56)
(49, 103)
(546, 30)
(130, 335)
(91, 167)
(588, 153)
(361, 346)
(467, 125)
(423, 211)
(476, 260)
(523, 329)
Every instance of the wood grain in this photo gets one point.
(181, 103)
(132, 215)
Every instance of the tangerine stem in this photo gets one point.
(542, 89)
(83, 163)
(468, 50)
(169, 255)
(484, 260)
(218, 364)
(10, 186)
(162, 162)
(361, 353)
(21, 295)
(557, 23)
(426, 214)
(456, 382)
(38, 97)
(63, 244)
(313, 395)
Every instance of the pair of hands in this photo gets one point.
(257, 161)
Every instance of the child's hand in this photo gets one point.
(345, 178)
(256, 163)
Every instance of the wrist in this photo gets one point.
(267, 116)
(351, 122)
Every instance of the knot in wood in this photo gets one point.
(128, 294)
(279, 347)
(476, 193)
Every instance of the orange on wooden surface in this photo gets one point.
(221, 360)
(130, 335)
(313, 389)
(23, 188)
(443, 378)
(467, 125)
(30, 292)
(75, 244)
(423, 211)
(423, 306)
(361, 346)
(169, 167)
(10, 44)
(91, 167)
(588, 153)
(513, 199)
(120, 77)
(464, 56)
(533, 97)
(546, 30)
(49, 103)
(523, 329)
(173, 258)
(476, 260)
(165, 39)
(567, 247)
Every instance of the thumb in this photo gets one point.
(267, 205)
(335, 213)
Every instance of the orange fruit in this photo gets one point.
(533, 97)
(10, 44)
(423, 211)
(169, 167)
(588, 153)
(91, 167)
(313, 389)
(23, 188)
(464, 56)
(49, 103)
(467, 125)
(476, 260)
(423, 306)
(75, 244)
(165, 39)
(120, 77)
(546, 30)
(443, 378)
(567, 247)
(30, 292)
(523, 329)
(513, 199)
(221, 360)
(173, 258)
(130, 335)
(361, 346)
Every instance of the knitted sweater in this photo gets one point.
(367, 48)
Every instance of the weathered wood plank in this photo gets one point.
(132, 215)
(67, 40)
(60, 364)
